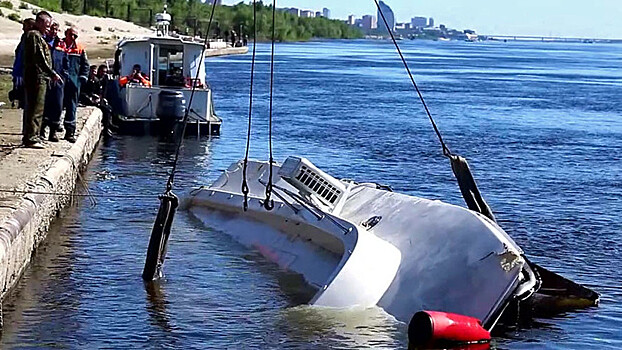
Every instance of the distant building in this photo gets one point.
(326, 13)
(358, 22)
(431, 22)
(294, 11)
(307, 13)
(350, 20)
(369, 22)
(432, 30)
(419, 22)
(318, 14)
(400, 26)
(388, 15)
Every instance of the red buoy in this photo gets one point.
(431, 328)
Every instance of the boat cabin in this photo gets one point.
(156, 100)
(164, 60)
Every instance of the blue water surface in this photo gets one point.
(541, 124)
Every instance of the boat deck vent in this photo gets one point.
(318, 185)
(311, 181)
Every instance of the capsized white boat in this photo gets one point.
(360, 244)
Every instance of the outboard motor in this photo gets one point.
(171, 107)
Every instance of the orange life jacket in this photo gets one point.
(76, 49)
(142, 80)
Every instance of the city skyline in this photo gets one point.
(566, 18)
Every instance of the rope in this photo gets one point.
(446, 151)
(80, 195)
(269, 203)
(171, 179)
(245, 189)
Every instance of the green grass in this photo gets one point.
(6, 4)
(6, 84)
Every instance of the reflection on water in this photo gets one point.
(351, 328)
(539, 123)
(156, 305)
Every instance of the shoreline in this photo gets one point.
(26, 216)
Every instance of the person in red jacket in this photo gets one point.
(136, 77)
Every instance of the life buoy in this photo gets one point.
(433, 328)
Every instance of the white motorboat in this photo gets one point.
(173, 68)
(360, 244)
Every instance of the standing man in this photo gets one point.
(18, 65)
(54, 96)
(37, 73)
(77, 73)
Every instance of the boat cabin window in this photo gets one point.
(170, 71)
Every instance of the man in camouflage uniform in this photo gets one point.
(18, 65)
(37, 73)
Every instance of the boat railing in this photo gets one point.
(308, 205)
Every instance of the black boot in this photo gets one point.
(53, 137)
(42, 132)
(70, 134)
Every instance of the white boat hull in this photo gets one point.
(421, 254)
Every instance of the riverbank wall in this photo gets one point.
(28, 177)
(226, 51)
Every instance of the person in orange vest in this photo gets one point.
(77, 74)
(136, 77)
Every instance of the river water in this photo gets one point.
(540, 123)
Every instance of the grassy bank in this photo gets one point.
(6, 84)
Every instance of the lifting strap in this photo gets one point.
(245, 189)
(158, 243)
(156, 252)
(468, 187)
(459, 165)
(268, 202)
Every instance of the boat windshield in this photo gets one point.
(170, 66)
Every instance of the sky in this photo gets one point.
(567, 18)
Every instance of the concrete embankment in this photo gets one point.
(226, 51)
(25, 218)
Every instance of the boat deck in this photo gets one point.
(144, 126)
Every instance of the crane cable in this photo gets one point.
(269, 203)
(459, 165)
(446, 151)
(171, 179)
(245, 189)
